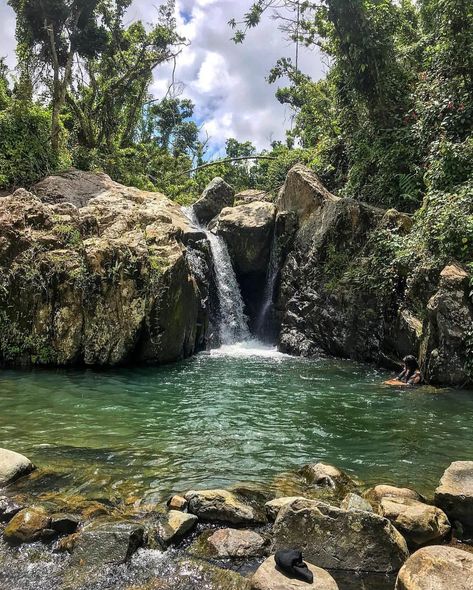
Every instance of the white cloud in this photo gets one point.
(225, 81)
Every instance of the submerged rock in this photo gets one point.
(28, 526)
(217, 195)
(13, 465)
(419, 523)
(222, 506)
(437, 568)
(236, 543)
(268, 577)
(175, 526)
(454, 494)
(337, 539)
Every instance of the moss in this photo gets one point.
(69, 234)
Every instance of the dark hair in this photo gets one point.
(411, 363)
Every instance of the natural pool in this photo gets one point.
(243, 413)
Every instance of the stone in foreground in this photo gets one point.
(13, 466)
(236, 543)
(217, 195)
(455, 492)
(222, 506)
(268, 577)
(27, 526)
(176, 526)
(419, 523)
(107, 543)
(437, 568)
(332, 538)
(274, 506)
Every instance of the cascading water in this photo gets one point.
(233, 323)
(264, 325)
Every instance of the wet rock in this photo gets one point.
(64, 524)
(337, 539)
(454, 494)
(217, 195)
(419, 523)
(177, 503)
(107, 543)
(274, 506)
(355, 502)
(199, 574)
(222, 506)
(236, 543)
(13, 466)
(27, 526)
(376, 494)
(8, 508)
(327, 476)
(66, 544)
(268, 577)
(437, 568)
(175, 526)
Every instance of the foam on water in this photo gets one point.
(249, 348)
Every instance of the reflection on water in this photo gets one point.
(242, 413)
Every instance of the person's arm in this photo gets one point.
(401, 375)
(415, 379)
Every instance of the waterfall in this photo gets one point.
(233, 323)
(263, 325)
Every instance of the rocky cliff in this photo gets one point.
(96, 273)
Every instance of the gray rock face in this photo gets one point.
(12, 466)
(217, 195)
(419, 523)
(273, 507)
(455, 492)
(437, 568)
(337, 539)
(175, 526)
(107, 543)
(268, 577)
(236, 543)
(222, 506)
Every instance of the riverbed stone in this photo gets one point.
(13, 466)
(437, 568)
(64, 524)
(376, 494)
(217, 195)
(107, 543)
(454, 494)
(27, 526)
(269, 577)
(177, 503)
(8, 508)
(419, 523)
(338, 539)
(327, 476)
(355, 502)
(236, 543)
(222, 506)
(175, 526)
(274, 506)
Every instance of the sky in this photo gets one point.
(227, 82)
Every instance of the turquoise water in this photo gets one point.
(227, 418)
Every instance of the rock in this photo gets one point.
(327, 476)
(274, 506)
(376, 494)
(454, 494)
(437, 568)
(105, 283)
(268, 577)
(8, 509)
(251, 195)
(217, 195)
(337, 539)
(419, 523)
(13, 466)
(175, 526)
(236, 543)
(27, 526)
(355, 502)
(222, 506)
(177, 503)
(64, 524)
(197, 574)
(247, 231)
(107, 543)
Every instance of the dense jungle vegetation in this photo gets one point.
(390, 124)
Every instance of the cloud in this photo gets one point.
(225, 81)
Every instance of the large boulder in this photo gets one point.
(217, 195)
(223, 506)
(337, 539)
(454, 494)
(103, 284)
(269, 577)
(419, 523)
(236, 543)
(13, 465)
(437, 568)
(27, 526)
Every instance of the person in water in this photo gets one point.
(410, 375)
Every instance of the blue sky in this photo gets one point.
(225, 81)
